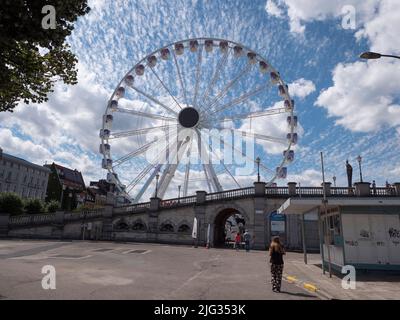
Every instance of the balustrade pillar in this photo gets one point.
(327, 186)
(201, 197)
(259, 189)
(397, 188)
(292, 188)
(362, 189)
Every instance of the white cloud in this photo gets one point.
(361, 97)
(301, 88)
(272, 8)
(301, 11)
(364, 96)
(309, 178)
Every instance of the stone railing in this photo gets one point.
(178, 202)
(82, 215)
(132, 208)
(32, 219)
(230, 194)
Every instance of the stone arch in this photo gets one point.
(139, 225)
(167, 226)
(218, 219)
(184, 227)
(211, 216)
(121, 225)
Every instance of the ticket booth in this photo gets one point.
(364, 233)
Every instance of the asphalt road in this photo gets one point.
(108, 270)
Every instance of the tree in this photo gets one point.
(34, 206)
(11, 203)
(33, 58)
(53, 206)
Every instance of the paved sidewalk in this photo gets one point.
(369, 286)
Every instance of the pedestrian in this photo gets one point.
(374, 187)
(276, 252)
(247, 238)
(238, 240)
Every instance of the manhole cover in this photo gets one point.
(137, 251)
(102, 250)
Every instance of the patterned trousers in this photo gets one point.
(276, 276)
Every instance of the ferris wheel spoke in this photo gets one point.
(137, 132)
(240, 99)
(132, 154)
(145, 114)
(252, 115)
(198, 74)
(155, 100)
(165, 87)
(139, 177)
(261, 136)
(243, 154)
(226, 89)
(217, 73)
(225, 167)
(180, 75)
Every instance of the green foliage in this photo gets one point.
(34, 206)
(11, 203)
(53, 206)
(26, 73)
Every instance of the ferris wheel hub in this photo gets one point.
(188, 117)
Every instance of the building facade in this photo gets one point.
(22, 177)
(66, 186)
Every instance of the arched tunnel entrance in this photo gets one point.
(227, 224)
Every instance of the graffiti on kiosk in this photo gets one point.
(351, 243)
(394, 233)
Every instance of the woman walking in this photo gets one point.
(276, 252)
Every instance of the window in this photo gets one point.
(184, 228)
(139, 226)
(9, 175)
(167, 227)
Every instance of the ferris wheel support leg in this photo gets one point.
(170, 169)
(147, 183)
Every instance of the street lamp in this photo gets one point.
(157, 177)
(374, 55)
(359, 159)
(179, 193)
(258, 160)
(334, 181)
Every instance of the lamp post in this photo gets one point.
(359, 159)
(258, 160)
(157, 177)
(334, 181)
(179, 193)
(374, 56)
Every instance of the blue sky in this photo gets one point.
(346, 106)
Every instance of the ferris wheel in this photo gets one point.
(166, 102)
